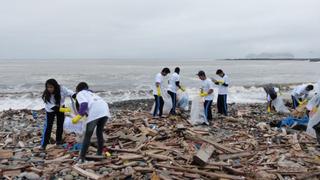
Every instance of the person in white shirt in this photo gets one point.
(174, 85)
(223, 84)
(157, 92)
(271, 95)
(299, 94)
(97, 112)
(206, 91)
(54, 96)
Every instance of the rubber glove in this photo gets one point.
(158, 91)
(76, 119)
(269, 109)
(183, 89)
(64, 109)
(314, 109)
(203, 94)
(220, 82)
(302, 102)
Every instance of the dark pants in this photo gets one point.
(222, 104)
(174, 102)
(159, 105)
(48, 128)
(207, 109)
(295, 103)
(99, 123)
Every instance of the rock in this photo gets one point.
(68, 177)
(74, 174)
(103, 169)
(29, 175)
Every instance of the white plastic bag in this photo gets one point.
(197, 115)
(167, 103)
(313, 120)
(278, 104)
(183, 101)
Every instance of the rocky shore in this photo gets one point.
(243, 145)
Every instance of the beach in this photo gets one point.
(244, 145)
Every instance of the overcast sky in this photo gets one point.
(158, 29)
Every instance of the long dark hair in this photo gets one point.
(46, 94)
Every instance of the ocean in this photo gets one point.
(22, 81)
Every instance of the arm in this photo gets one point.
(178, 84)
(83, 108)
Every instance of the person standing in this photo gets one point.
(157, 92)
(206, 91)
(97, 112)
(54, 97)
(299, 94)
(223, 84)
(174, 85)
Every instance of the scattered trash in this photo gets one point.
(243, 145)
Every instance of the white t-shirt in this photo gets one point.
(300, 92)
(223, 90)
(64, 93)
(97, 107)
(175, 77)
(206, 85)
(158, 79)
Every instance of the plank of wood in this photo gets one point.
(308, 175)
(86, 173)
(205, 173)
(6, 154)
(217, 145)
(11, 173)
(130, 157)
(123, 150)
(233, 156)
(59, 159)
(203, 155)
(159, 156)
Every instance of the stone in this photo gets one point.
(29, 175)
(68, 177)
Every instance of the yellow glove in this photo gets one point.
(269, 109)
(203, 94)
(302, 102)
(220, 81)
(158, 91)
(314, 109)
(183, 89)
(76, 119)
(64, 110)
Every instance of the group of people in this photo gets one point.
(206, 91)
(88, 104)
(96, 110)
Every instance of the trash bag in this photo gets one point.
(279, 106)
(167, 103)
(197, 115)
(183, 101)
(314, 120)
(291, 121)
(80, 128)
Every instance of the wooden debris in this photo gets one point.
(6, 154)
(203, 155)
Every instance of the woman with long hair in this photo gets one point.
(54, 96)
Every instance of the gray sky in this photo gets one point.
(158, 29)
